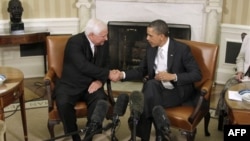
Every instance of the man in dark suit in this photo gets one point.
(170, 71)
(84, 73)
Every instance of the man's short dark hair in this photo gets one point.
(160, 26)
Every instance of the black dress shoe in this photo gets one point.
(92, 129)
(132, 140)
(160, 138)
(76, 137)
(163, 135)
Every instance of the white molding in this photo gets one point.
(159, 1)
(229, 32)
(33, 66)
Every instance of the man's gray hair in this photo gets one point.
(95, 26)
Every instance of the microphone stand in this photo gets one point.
(113, 137)
(134, 129)
(133, 132)
(68, 134)
(108, 126)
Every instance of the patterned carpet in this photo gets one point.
(35, 86)
(37, 121)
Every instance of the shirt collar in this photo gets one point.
(91, 44)
(165, 46)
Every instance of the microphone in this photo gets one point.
(100, 111)
(119, 110)
(120, 107)
(136, 104)
(161, 121)
(121, 104)
(97, 118)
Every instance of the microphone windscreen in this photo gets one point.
(100, 111)
(136, 102)
(121, 104)
(160, 117)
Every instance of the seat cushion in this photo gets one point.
(179, 115)
(81, 111)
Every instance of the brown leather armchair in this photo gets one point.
(187, 116)
(55, 53)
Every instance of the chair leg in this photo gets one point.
(206, 122)
(221, 120)
(190, 136)
(50, 126)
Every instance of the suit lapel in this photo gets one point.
(151, 59)
(87, 49)
(96, 54)
(171, 54)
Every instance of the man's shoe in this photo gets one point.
(92, 129)
(163, 136)
(132, 140)
(160, 138)
(76, 137)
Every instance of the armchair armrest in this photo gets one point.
(207, 86)
(203, 101)
(110, 95)
(49, 75)
(49, 84)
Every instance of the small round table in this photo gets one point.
(238, 112)
(11, 90)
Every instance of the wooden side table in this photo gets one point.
(10, 91)
(25, 38)
(238, 112)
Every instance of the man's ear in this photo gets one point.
(90, 35)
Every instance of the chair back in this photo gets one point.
(206, 57)
(55, 51)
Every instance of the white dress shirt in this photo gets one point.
(243, 58)
(161, 60)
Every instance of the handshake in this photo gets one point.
(115, 75)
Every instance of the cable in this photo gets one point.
(39, 85)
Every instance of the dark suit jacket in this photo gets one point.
(79, 68)
(180, 61)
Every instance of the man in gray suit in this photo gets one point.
(85, 71)
(170, 71)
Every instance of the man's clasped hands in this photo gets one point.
(115, 75)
